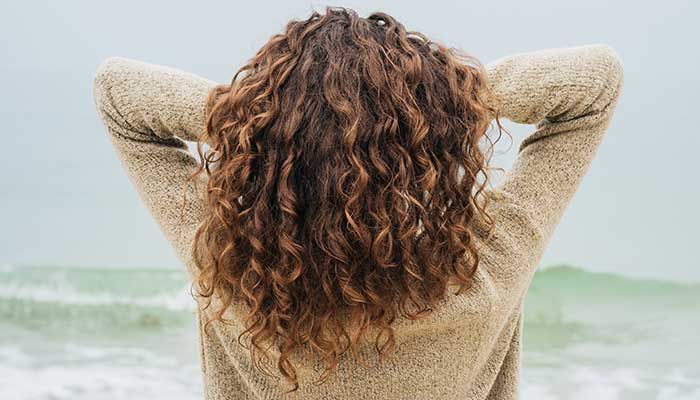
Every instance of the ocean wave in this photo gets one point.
(564, 303)
(102, 301)
(68, 295)
(170, 289)
(167, 289)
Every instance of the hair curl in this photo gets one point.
(343, 176)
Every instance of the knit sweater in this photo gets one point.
(470, 346)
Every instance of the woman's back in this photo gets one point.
(467, 348)
(469, 345)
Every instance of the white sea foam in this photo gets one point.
(81, 372)
(99, 382)
(603, 382)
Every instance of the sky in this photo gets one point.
(65, 200)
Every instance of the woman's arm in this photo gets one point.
(570, 95)
(149, 111)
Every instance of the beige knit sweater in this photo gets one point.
(470, 347)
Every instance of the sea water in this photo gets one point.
(81, 333)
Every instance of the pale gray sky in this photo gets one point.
(64, 199)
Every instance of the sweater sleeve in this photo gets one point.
(569, 94)
(149, 111)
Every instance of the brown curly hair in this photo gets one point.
(344, 173)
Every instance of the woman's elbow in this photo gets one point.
(610, 75)
(110, 92)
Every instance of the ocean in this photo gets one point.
(95, 333)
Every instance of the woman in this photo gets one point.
(338, 229)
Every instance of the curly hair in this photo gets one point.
(343, 177)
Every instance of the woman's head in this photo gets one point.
(344, 169)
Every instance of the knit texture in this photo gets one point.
(470, 346)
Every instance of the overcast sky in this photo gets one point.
(64, 199)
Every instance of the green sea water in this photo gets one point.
(94, 333)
